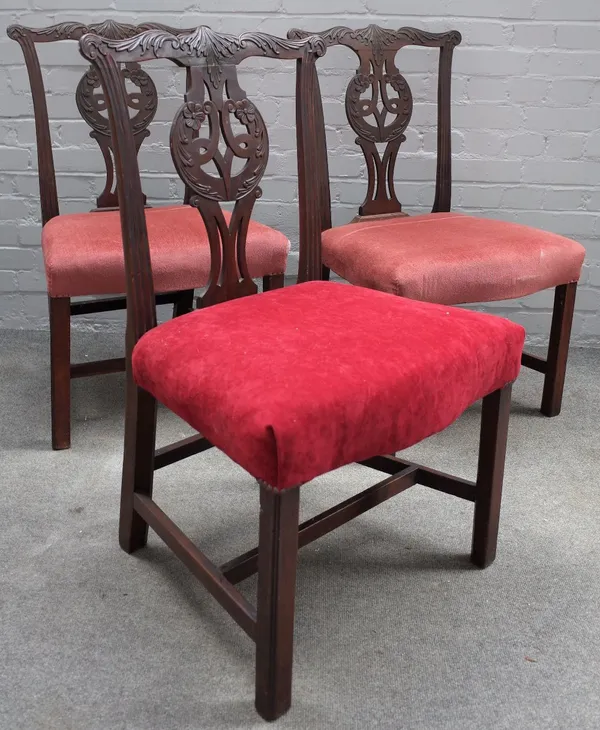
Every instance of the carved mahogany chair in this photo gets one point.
(83, 253)
(441, 257)
(286, 383)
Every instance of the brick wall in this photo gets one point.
(526, 115)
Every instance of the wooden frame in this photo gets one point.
(212, 59)
(143, 101)
(376, 49)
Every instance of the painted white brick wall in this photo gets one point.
(526, 115)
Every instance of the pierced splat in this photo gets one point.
(91, 102)
(376, 76)
(379, 107)
(203, 137)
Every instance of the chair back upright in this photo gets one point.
(379, 107)
(217, 161)
(142, 102)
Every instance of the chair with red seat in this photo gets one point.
(441, 257)
(83, 252)
(292, 383)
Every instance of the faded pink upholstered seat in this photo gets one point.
(451, 258)
(442, 257)
(83, 252)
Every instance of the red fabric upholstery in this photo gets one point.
(83, 252)
(451, 258)
(299, 381)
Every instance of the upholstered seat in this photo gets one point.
(299, 381)
(83, 252)
(451, 258)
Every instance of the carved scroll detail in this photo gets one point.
(219, 141)
(204, 133)
(378, 39)
(73, 31)
(379, 101)
(89, 96)
(91, 103)
(191, 152)
(216, 49)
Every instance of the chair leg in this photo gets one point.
(273, 281)
(60, 370)
(490, 474)
(184, 303)
(558, 349)
(138, 464)
(277, 554)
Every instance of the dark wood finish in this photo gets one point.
(184, 303)
(277, 557)
(379, 107)
(383, 115)
(114, 304)
(207, 573)
(376, 217)
(61, 369)
(490, 474)
(215, 96)
(138, 462)
(98, 367)
(275, 281)
(246, 565)
(533, 362)
(60, 378)
(90, 101)
(91, 104)
(554, 367)
(214, 102)
(93, 306)
(438, 480)
(310, 129)
(171, 454)
(558, 348)
(142, 102)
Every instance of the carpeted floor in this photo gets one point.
(394, 628)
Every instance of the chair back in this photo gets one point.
(379, 107)
(142, 102)
(219, 146)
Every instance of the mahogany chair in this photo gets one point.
(285, 383)
(83, 253)
(442, 257)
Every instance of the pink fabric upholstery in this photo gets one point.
(299, 381)
(451, 258)
(83, 252)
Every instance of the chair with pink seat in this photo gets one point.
(83, 252)
(442, 257)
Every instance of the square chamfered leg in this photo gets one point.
(490, 474)
(558, 348)
(277, 556)
(60, 370)
(138, 464)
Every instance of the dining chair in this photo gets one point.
(83, 252)
(291, 383)
(443, 257)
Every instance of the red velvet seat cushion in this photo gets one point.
(83, 252)
(299, 381)
(451, 258)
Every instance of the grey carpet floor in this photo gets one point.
(394, 628)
